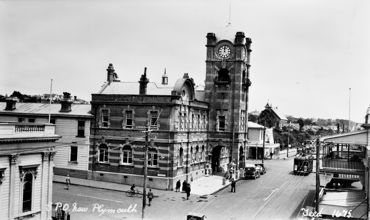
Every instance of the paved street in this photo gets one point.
(276, 195)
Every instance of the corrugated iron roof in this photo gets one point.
(43, 108)
(254, 125)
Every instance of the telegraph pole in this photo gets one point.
(145, 170)
(317, 174)
(263, 146)
(287, 150)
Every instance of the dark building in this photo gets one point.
(191, 131)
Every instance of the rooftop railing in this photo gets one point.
(14, 130)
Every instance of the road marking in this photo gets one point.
(272, 192)
(266, 202)
(92, 197)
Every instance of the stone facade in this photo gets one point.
(192, 132)
(26, 170)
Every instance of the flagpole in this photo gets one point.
(51, 86)
(349, 110)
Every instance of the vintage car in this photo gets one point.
(261, 168)
(251, 171)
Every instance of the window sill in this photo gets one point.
(28, 214)
(80, 136)
(72, 162)
(102, 163)
(126, 165)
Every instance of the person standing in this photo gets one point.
(184, 184)
(271, 155)
(68, 182)
(178, 184)
(150, 196)
(233, 184)
(188, 190)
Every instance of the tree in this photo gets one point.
(253, 118)
(301, 123)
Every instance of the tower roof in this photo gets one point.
(227, 32)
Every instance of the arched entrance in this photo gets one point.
(216, 153)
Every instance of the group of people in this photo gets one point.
(150, 194)
(185, 187)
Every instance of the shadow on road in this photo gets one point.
(307, 201)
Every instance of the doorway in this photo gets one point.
(216, 153)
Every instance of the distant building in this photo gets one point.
(255, 144)
(72, 122)
(272, 117)
(26, 170)
(193, 130)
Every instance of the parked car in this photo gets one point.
(261, 168)
(251, 171)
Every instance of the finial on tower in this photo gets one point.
(165, 78)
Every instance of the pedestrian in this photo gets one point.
(184, 186)
(68, 182)
(271, 155)
(178, 184)
(233, 183)
(150, 196)
(188, 190)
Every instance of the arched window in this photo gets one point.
(191, 155)
(127, 154)
(181, 155)
(203, 153)
(197, 158)
(153, 158)
(103, 153)
(27, 192)
(223, 76)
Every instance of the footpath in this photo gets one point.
(202, 186)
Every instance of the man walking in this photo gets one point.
(188, 189)
(150, 196)
(68, 182)
(233, 184)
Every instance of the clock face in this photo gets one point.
(224, 51)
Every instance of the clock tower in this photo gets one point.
(226, 91)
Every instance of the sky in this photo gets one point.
(310, 57)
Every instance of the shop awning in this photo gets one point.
(357, 137)
(343, 202)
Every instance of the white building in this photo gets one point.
(72, 122)
(255, 141)
(26, 170)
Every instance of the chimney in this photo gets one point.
(11, 103)
(111, 74)
(66, 102)
(164, 78)
(143, 83)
